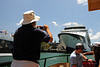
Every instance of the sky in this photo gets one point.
(55, 13)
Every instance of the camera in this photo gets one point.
(42, 27)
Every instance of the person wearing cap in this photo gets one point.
(95, 52)
(27, 41)
(96, 49)
(76, 57)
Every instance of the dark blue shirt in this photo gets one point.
(27, 42)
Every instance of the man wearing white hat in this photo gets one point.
(27, 40)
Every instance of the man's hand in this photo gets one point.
(90, 60)
(46, 27)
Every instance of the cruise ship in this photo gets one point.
(75, 34)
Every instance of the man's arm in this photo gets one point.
(91, 52)
(48, 31)
(84, 57)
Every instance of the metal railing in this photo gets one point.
(7, 64)
(45, 59)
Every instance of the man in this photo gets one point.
(27, 41)
(76, 57)
(96, 49)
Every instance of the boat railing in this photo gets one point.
(45, 59)
(7, 64)
(85, 63)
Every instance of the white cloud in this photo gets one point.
(83, 2)
(55, 23)
(90, 30)
(70, 23)
(96, 36)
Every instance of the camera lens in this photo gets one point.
(41, 27)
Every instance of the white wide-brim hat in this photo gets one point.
(29, 17)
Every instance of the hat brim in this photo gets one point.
(23, 22)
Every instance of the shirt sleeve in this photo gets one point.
(44, 37)
(73, 60)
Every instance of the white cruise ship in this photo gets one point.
(75, 34)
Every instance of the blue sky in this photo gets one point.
(55, 13)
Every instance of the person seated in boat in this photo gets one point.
(76, 57)
(27, 41)
(95, 52)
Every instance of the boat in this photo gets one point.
(51, 54)
(71, 35)
(6, 42)
(6, 45)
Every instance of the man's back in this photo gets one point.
(27, 40)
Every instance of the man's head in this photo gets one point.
(79, 48)
(29, 17)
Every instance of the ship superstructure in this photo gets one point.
(75, 34)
